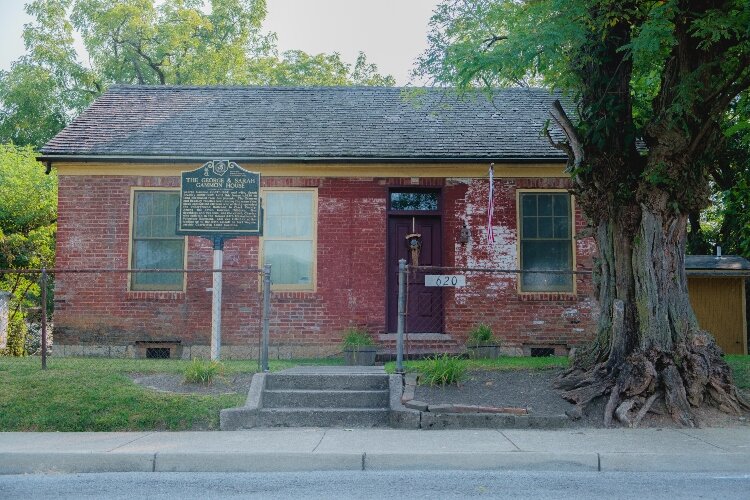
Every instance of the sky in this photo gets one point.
(391, 32)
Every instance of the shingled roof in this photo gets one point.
(308, 124)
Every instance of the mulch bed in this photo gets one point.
(533, 389)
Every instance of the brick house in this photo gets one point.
(346, 172)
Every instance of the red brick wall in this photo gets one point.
(519, 320)
(97, 309)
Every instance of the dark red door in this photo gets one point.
(425, 304)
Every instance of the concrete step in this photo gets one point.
(333, 381)
(323, 417)
(288, 398)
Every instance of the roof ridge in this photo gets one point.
(314, 87)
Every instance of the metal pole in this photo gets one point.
(266, 316)
(216, 299)
(44, 319)
(401, 315)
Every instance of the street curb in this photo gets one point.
(662, 462)
(99, 462)
(513, 460)
(75, 462)
(256, 462)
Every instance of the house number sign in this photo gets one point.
(220, 199)
(445, 280)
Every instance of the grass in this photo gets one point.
(501, 363)
(89, 394)
(741, 368)
(202, 371)
(442, 370)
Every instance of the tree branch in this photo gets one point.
(575, 145)
(490, 41)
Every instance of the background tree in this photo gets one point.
(180, 42)
(28, 215)
(661, 72)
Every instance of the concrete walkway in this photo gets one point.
(648, 450)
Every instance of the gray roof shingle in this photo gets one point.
(310, 123)
(725, 263)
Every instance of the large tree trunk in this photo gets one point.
(649, 344)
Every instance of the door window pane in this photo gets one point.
(546, 241)
(155, 242)
(414, 200)
(288, 242)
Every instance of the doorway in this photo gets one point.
(415, 212)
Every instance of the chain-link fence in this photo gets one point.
(484, 312)
(129, 313)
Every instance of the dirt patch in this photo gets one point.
(533, 389)
(172, 382)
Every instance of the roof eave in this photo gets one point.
(88, 158)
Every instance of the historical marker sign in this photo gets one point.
(220, 199)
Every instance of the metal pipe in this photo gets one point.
(266, 316)
(44, 318)
(401, 315)
(216, 299)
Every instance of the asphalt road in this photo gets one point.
(368, 484)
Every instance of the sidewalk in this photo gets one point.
(688, 450)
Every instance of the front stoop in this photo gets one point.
(320, 396)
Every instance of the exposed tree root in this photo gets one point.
(691, 376)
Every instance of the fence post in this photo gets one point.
(4, 317)
(401, 315)
(266, 316)
(216, 298)
(44, 318)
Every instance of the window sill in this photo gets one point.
(291, 294)
(155, 296)
(547, 296)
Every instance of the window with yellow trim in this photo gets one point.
(155, 243)
(546, 241)
(289, 237)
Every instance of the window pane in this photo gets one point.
(562, 227)
(291, 261)
(163, 226)
(549, 256)
(545, 204)
(529, 227)
(528, 204)
(142, 227)
(545, 227)
(143, 203)
(158, 254)
(420, 200)
(561, 204)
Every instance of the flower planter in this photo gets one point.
(483, 351)
(363, 356)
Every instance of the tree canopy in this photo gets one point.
(653, 82)
(179, 42)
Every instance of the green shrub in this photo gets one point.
(481, 335)
(442, 370)
(202, 371)
(355, 338)
(17, 332)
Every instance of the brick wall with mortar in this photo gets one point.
(96, 314)
(520, 320)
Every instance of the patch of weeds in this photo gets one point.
(481, 335)
(354, 338)
(442, 370)
(201, 371)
